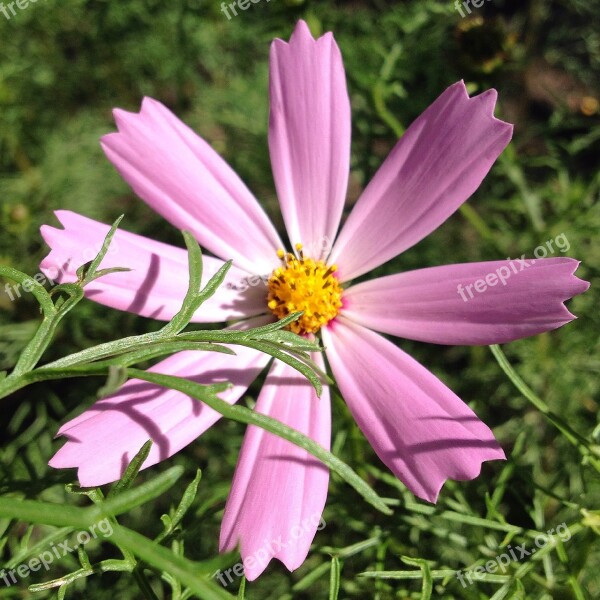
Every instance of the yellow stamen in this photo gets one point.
(303, 284)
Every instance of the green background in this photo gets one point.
(64, 66)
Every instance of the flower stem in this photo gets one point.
(588, 451)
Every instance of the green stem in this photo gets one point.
(107, 350)
(53, 315)
(207, 395)
(37, 289)
(250, 417)
(43, 336)
(572, 436)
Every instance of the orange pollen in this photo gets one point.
(304, 284)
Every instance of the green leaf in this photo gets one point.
(89, 273)
(127, 499)
(434, 574)
(117, 376)
(43, 544)
(584, 446)
(104, 272)
(427, 588)
(152, 351)
(186, 502)
(189, 305)
(242, 589)
(189, 573)
(133, 468)
(290, 339)
(288, 358)
(213, 284)
(43, 336)
(37, 289)
(33, 511)
(334, 578)
(257, 331)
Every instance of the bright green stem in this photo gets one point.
(382, 110)
(250, 417)
(192, 574)
(54, 313)
(37, 289)
(43, 336)
(591, 454)
(207, 395)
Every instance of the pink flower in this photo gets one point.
(422, 431)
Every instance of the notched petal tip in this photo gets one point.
(123, 117)
(460, 86)
(49, 233)
(486, 100)
(470, 473)
(62, 216)
(437, 164)
(418, 427)
(563, 271)
(301, 32)
(107, 140)
(148, 103)
(301, 36)
(578, 285)
(55, 263)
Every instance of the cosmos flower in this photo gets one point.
(419, 428)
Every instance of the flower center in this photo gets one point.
(307, 285)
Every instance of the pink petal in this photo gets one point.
(104, 439)
(158, 280)
(436, 165)
(309, 137)
(279, 490)
(526, 297)
(420, 429)
(182, 178)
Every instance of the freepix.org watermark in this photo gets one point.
(270, 548)
(56, 552)
(241, 4)
(501, 562)
(9, 10)
(460, 4)
(514, 267)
